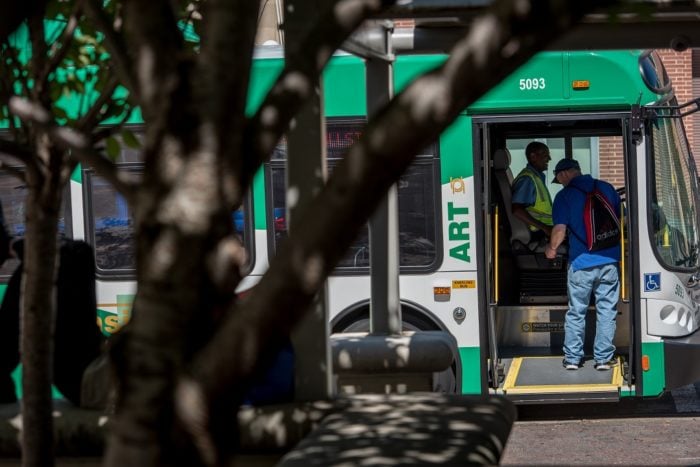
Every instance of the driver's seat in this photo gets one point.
(540, 280)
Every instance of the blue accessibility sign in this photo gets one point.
(652, 282)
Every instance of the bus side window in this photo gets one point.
(112, 227)
(418, 200)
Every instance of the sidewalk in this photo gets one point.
(619, 441)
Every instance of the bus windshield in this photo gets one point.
(674, 189)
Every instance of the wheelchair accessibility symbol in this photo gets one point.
(652, 282)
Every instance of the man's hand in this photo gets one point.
(550, 252)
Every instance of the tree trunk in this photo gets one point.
(38, 310)
(178, 231)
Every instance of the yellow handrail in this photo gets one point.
(622, 252)
(495, 250)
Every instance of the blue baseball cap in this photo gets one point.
(565, 164)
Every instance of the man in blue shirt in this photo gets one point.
(589, 272)
(530, 198)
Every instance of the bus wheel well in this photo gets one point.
(356, 319)
(415, 318)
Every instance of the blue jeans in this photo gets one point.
(604, 283)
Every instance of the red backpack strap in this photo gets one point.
(587, 221)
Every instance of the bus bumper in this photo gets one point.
(682, 360)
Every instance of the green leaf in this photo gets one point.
(113, 148)
(60, 113)
(87, 29)
(56, 91)
(130, 139)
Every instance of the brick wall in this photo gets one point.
(611, 162)
(695, 145)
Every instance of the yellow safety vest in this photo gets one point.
(542, 209)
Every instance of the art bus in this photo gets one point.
(467, 266)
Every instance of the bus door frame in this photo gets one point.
(481, 137)
(631, 142)
(482, 200)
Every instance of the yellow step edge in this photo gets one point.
(509, 386)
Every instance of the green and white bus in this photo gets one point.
(467, 266)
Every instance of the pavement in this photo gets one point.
(632, 441)
(636, 432)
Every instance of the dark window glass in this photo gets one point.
(110, 216)
(13, 194)
(111, 220)
(417, 200)
(112, 226)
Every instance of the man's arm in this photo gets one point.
(524, 195)
(556, 239)
(520, 211)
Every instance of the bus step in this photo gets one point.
(544, 380)
(539, 299)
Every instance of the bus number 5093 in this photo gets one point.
(528, 84)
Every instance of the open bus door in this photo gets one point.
(527, 298)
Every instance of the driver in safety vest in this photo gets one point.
(531, 202)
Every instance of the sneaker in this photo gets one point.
(606, 366)
(571, 366)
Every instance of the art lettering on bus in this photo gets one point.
(458, 231)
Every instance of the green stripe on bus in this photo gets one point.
(262, 77)
(471, 369)
(410, 67)
(259, 214)
(457, 142)
(655, 378)
(77, 175)
(17, 378)
(338, 75)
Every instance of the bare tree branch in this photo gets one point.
(229, 25)
(12, 170)
(13, 13)
(123, 65)
(37, 35)
(298, 78)
(29, 111)
(105, 132)
(13, 149)
(151, 32)
(60, 47)
(79, 144)
(124, 182)
(498, 42)
(92, 116)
